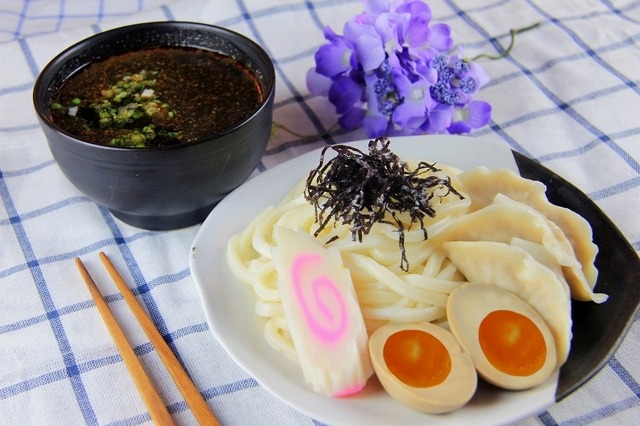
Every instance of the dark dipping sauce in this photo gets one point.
(181, 95)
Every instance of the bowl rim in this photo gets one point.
(59, 60)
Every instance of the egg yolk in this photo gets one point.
(512, 343)
(417, 358)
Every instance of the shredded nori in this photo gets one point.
(360, 189)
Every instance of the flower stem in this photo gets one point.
(277, 126)
(513, 32)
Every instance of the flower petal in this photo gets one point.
(377, 6)
(333, 59)
(439, 119)
(478, 114)
(367, 44)
(352, 119)
(318, 84)
(458, 128)
(441, 39)
(473, 116)
(417, 32)
(406, 113)
(375, 125)
(478, 74)
(390, 26)
(330, 35)
(344, 93)
(415, 9)
(369, 51)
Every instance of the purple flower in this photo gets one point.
(474, 115)
(366, 43)
(352, 119)
(391, 72)
(381, 102)
(417, 102)
(344, 93)
(333, 58)
(417, 30)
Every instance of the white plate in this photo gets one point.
(229, 304)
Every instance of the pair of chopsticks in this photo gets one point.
(159, 413)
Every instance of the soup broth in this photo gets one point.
(157, 97)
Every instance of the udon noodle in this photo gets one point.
(385, 291)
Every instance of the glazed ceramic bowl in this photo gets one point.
(160, 187)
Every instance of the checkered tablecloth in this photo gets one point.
(567, 96)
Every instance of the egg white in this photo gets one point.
(468, 305)
(455, 391)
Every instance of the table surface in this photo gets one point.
(566, 96)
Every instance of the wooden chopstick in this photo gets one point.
(192, 396)
(159, 413)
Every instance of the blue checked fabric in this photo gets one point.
(567, 96)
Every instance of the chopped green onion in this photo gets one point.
(126, 101)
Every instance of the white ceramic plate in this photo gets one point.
(229, 304)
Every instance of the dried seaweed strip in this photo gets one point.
(359, 189)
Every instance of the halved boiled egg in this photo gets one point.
(511, 346)
(422, 366)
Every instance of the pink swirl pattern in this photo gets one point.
(325, 312)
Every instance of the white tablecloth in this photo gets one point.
(567, 96)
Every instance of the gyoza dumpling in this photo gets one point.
(502, 221)
(580, 288)
(512, 268)
(574, 274)
(542, 256)
(482, 185)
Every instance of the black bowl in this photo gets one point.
(163, 187)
